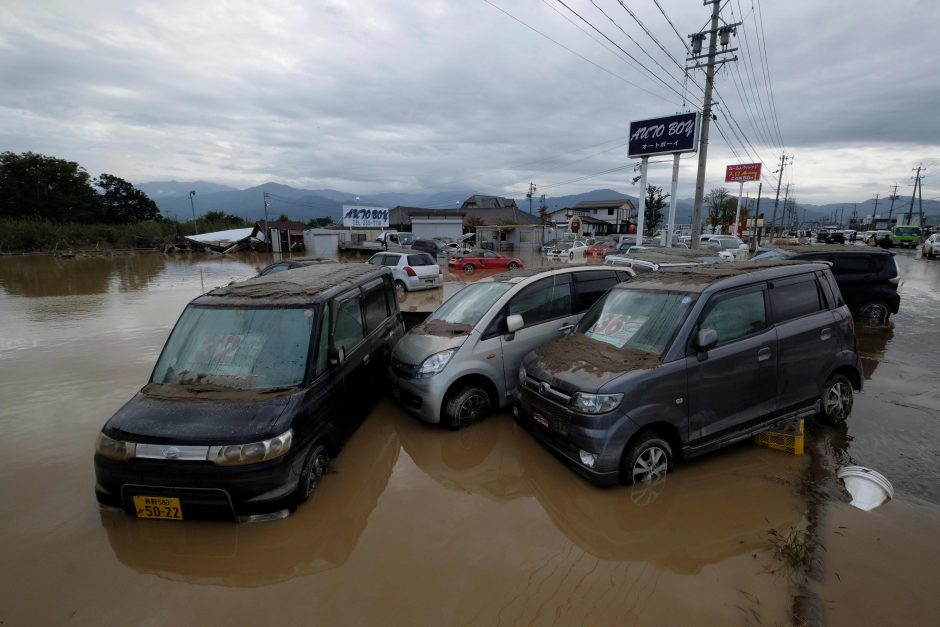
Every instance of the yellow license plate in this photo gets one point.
(164, 507)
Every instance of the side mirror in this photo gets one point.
(706, 339)
(338, 356)
(514, 323)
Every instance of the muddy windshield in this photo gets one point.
(638, 319)
(467, 306)
(243, 349)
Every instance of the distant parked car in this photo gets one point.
(411, 271)
(733, 245)
(569, 250)
(597, 249)
(483, 260)
(827, 236)
(290, 264)
(429, 246)
(931, 246)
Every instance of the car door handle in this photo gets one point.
(365, 360)
(763, 354)
(825, 334)
(565, 328)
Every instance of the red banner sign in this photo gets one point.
(742, 173)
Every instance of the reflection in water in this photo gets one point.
(45, 275)
(872, 341)
(319, 536)
(704, 513)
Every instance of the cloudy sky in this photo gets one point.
(371, 96)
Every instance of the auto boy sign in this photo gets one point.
(742, 173)
(365, 217)
(660, 136)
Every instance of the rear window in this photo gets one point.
(374, 305)
(795, 299)
(589, 286)
(423, 259)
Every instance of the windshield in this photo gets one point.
(471, 303)
(643, 320)
(244, 349)
(906, 230)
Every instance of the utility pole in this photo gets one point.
(724, 34)
(874, 212)
(193, 207)
(267, 232)
(529, 195)
(894, 196)
(773, 220)
(920, 203)
(910, 210)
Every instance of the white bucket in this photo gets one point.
(868, 488)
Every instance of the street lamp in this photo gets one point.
(193, 207)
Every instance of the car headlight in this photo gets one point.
(118, 450)
(253, 453)
(435, 363)
(595, 403)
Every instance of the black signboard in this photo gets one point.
(675, 133)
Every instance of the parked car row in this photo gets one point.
(618, 372)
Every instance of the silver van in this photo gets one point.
(462, 361)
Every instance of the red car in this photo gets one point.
(484, 260)
(599, 248)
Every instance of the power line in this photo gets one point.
(766, 66)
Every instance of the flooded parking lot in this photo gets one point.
(422, 525)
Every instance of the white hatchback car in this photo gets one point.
(931, 246)
(411, 271)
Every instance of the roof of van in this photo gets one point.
(697, 278)
(524, 273)
(798, 249)
(299, 286)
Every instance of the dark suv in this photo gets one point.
(685, 361)
(825, 236)
(868, 277)
(428, 246)
(258, 385)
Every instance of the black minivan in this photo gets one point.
(258, 385)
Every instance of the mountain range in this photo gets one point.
(173, 199)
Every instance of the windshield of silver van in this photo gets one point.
(645, 320)
(243, 349)
(471, 303)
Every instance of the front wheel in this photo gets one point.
(512, 265)
(647, 459)
(468, 268)
(875, 311)
(314, 468)
(468, 405)
(400, 287)
(836, 401)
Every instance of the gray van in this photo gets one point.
(684, 361)
(462, 361)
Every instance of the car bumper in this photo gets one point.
(415, 283)
(204, 489)
(422, 398)
(566, 438)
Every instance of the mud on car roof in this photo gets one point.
(297, 287)
(524, 273)
(697, 278)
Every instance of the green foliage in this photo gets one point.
(221, 220)
(319, 223)
(39, 235)
(39, 187)
(794, 549)
(721, 206)
(123, 203)
(653, 209)
(282, 218)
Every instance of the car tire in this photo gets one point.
(468, 405)
(648, 458)
(469, 268)
(875, 311)
(836, 401)
(512, 265)
(315, 466)
(400, 287)
(571, 256)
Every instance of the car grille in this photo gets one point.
(546, 391)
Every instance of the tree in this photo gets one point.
(721, 206)
(282, 218)
(123, 203)
(40, 187)
(474, 221)
(653, 210)
(219, 217)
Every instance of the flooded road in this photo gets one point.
(417, 524)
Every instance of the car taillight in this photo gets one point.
(410, 271)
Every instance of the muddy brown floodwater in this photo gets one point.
(419, 525)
